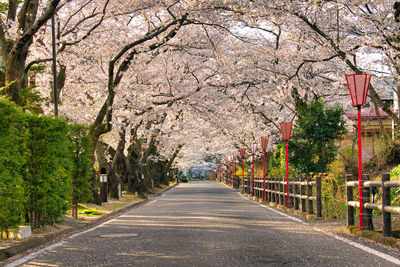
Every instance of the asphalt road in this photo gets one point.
(205, 224)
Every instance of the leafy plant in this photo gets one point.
(81, 164)
(92, 212)
(47, 173)
(12, 158)
(312, 146)
(333, 198)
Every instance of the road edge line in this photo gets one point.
(345, 240)
(33, 255)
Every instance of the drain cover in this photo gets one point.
(120, 235)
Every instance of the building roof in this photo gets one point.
(367, 113)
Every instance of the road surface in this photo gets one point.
(206, 224)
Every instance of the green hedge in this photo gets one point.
(48, 170)
(44, 164)
(12, 159)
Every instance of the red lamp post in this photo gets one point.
(227, 169)
(358, 87)
(234, 157)
(286, 128)
(230, 169)
(219, 171)
(264, 145)
(253, 149)
(242, 154)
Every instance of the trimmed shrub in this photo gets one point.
(80, 148)
(48, 170)
(12, 159)
(44, 163)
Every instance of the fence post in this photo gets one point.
(281, 192)
(290, 192)
(386, 201)
(295, 192)
(274, 196)
(349, 196)
(368, 224)
(303, 193)
(318, 195)
(309, 194)
(269, 196)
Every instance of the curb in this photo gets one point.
(34, 242)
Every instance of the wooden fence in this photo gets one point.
(234, 181)
(304, 193)
(368, 205)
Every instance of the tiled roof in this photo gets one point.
(367, 113)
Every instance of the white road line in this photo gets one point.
(33, 255)
(352, 243)
(362, 247)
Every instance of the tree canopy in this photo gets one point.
(205, 76)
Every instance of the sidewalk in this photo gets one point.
(52, 233)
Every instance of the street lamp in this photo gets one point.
(264, 145)
(358, 87)
(230, 169)
(227, 169)
(286, 128)
(242, 154)
(234, 157)
(253, 149)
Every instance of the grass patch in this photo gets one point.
(91, 212)
(131, 197)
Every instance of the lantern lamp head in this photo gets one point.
(253, 148)
(234, 156)
(242, 152)
(358, 85)
(264, 142)
(286, 128)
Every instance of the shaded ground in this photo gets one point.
(49, 233)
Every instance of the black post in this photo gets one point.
(368, 224)
(53, 46)
(349, 196)
(295, 192)
(386, 201)
(303, 193)
(309, 194)
(318, 191)
(103, 186)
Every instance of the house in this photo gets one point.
(371, 130)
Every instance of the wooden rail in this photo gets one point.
(304, 193)
(385, 207)
(234, 181)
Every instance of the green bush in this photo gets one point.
(44, 163)
(333, 198)
(277, 164)
(312, 146)
(12, 159)
(48, 170)
(81, 163)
